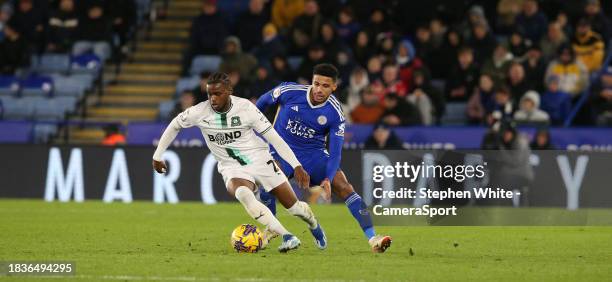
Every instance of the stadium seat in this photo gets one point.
(70, 86)
(9, 85)
(204, 63)
(17, 108)
(37, 86)
(165, 108)
(86, 63)
(52, 109)
(294, 62)
(87, 79)
(187, 83)
(52, 63)
(100, 48)
(455, 114)
(44, 132)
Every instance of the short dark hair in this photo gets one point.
(328, 70)
(219, 77)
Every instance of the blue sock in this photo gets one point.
(268, 200)
(360, 212)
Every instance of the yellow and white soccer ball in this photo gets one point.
(246, 238)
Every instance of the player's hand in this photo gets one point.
(327, 188)
(160, 167)
(302, 177)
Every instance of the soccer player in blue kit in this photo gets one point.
(309, 117)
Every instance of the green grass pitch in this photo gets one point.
(190, 242)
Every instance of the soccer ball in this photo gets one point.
(246, 238)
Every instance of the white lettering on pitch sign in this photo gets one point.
(572, 180)
(71, 184)
(118, 176)
(206, 180)
(163, 185)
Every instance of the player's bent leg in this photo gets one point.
(344, 190)
(302, 210)
(243, 191)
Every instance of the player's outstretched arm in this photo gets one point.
(166, 139)
(301, 176)
(274, 96)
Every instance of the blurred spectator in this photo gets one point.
(383, 138)
(284, 12)
(541, 141)
(378, 23)
(423, 103)
(518, 44)
(113, 137)
(463, 77)
(347, 26)
(13, 52)
(532, 21)
(374, 68)
(207, 34)
(123, 15)
(555, 102)
(63, 27)
(507, 10)
(305, 28)
(385, 44)
(482, 42)
(599, 21)
(602, 99)
(271, 46)
(357, 83)
(250, 24)
(398, 112)
(503, 108)
(438, 32)
(280, 69)
(422, 84)
(475, 16)
(572, 74)
(369, 110)
(448, 57)
(316, 55)
(94, 32)
(345, 64)
(563, 22)
(391, 82)
(555, 38)
(199, 92)
(234, 59)
(186, 100)
(424, 44)
(263, 83)
(29, 20)
(408, 62)
(330, 41)
(362, 50)
(534, 68)
(482, 102)
(497, 66)
(516, 81)
(240, 86)
(529, 110)
(588, 46)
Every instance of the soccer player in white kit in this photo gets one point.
(228, 124)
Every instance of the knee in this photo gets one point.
(343, 190)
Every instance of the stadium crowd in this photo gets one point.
(402, 62)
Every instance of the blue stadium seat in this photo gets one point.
(204, 63)
(294, 62)
(86, 63)
(87, 79)
(9, 85)
(187, 83)
(67, 103)
(71, 86)
(48, 109)
(455, 114)
(52, 63)
(17, 108)
(44, 132)
(165, 108)
(37, 86)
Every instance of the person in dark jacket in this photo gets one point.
(541, 141)
(398, 112)
(29, 20)
(532, 21)
(13, 51)
(271, 46)
(383, 138)
(63, 27)
(463, 76)
(250, 25)
(207, 34)
(305, 29)
(555, 102)
(94, 32)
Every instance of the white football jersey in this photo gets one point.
(230, 135)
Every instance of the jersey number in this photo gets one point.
(273, 164)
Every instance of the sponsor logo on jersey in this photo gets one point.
(297, 128)
(224, 138)
(322, 120)
(236, 121)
